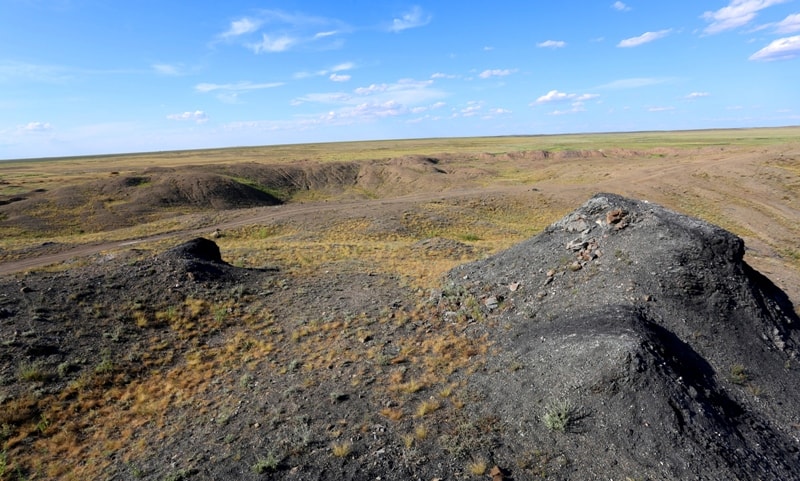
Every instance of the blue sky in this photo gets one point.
(90, 77)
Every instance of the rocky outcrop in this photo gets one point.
(661, 353)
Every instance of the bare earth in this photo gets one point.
(327, 343)
(752, 191)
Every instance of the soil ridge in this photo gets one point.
(673, 357)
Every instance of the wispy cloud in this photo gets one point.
(404, 97)
(34, 127)
(343, 66)
(272, 31)
(660, 109)
(619, 6)
(472, 109)
(269, 44)
(413, 18)
(235, 87)
(241, 27)
(335, 77)
(329, 33)
(737, 14)
(440, 75)
(167, 69)
(696, 95)
(636, 82)
(197, 116)
(326, 72)
(644, 38)
(552, 44)
(496, 73)
(780, 49)
(789, 24)
(373, 88)
(556, 96)
(33, 72)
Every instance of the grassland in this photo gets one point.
(23, 175)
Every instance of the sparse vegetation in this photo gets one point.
(265, 464)
(427, 406)
(341, 449)
(559, 416)
(477, 467)
(739, 375)
(315, 364)
(31, 372)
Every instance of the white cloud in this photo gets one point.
(439, 75)
(736, 14)
(235, 87)
(660, 109)
(402, 95)
(198, 116)
(789, 24)
(488, 48)
(373, 88)
(620, 7)
(499, 111)
(697, 95)
(288, 31)
(326, 72)
(343, 66)
(470, 110)
(329, 33)
(335, 77)
(241, 27)
(644, 38)
(272, 45)
(36, 127)
(495, 73)
(552, 44)
(411, 19)
(780, 49)
(556, 96)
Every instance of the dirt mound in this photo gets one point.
(203, 190)
(199, 249)
(290, 178)
(638, 343)
(121, 201)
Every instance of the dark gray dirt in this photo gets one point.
(665, 354)
(625, 342)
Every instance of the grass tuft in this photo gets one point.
(559, 416)
(342, 449)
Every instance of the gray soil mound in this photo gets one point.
(635, 343)
(198, 249)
